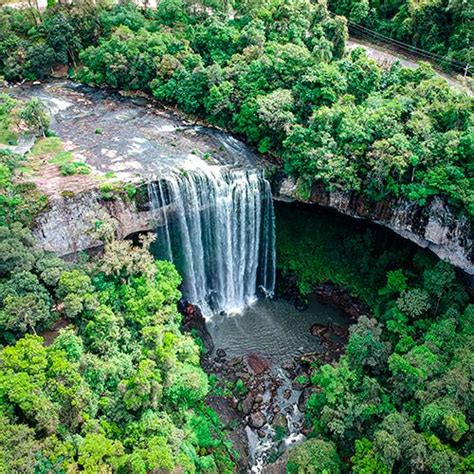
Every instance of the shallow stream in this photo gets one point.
(275, 331)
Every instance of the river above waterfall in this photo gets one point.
(126, 138)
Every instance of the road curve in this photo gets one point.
(386, 57)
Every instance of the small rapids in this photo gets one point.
(218, 227)
(274, 332)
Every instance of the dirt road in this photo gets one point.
(386, 57)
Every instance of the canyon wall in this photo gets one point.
(435, 226)
(66, 227)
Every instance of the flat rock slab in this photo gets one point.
(257, 364)
(129, 136)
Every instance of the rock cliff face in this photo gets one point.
(140, 141)
(66, 227)
(435, 226)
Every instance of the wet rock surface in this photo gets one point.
(194, 320)
(258, 365)
(328, 293)
(261, 400)
(340, 298)
(264, 403)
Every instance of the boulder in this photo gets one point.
(221, 353)
(257, 364)
(303, 398)
(247, 404)
(280, 421)
(258, 398)
(257, 420)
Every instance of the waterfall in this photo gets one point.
(217, 226)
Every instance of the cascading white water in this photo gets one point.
(218, 227)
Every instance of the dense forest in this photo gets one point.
(119, 388)
(399, 399)
(276, 74)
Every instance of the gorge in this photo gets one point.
(152, 141)
(234, 241)
(207, 198)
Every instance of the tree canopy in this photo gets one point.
(276, 73)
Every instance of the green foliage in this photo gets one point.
(366, 460)
(35, 116)
(122, 389)
(26, 276)
(49, 145)
(76, 167)
(399, 399)
(277, 74)
(7, 106)
(444, 418)
(124, 392)
(441, 27)
(240, 389)
(366, 350)
(186, 385)
(314, 457)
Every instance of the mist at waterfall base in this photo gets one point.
(217, 226)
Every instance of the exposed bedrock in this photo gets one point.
(141, 143)
(66, 227)
(436, 226)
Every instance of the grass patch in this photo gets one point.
(24, 170)
(52, 146)
(7, 137)
(61, 158)
(75, 167)
(46, 146)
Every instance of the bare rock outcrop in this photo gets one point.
(66, 226)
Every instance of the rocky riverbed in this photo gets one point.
(262, 379)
